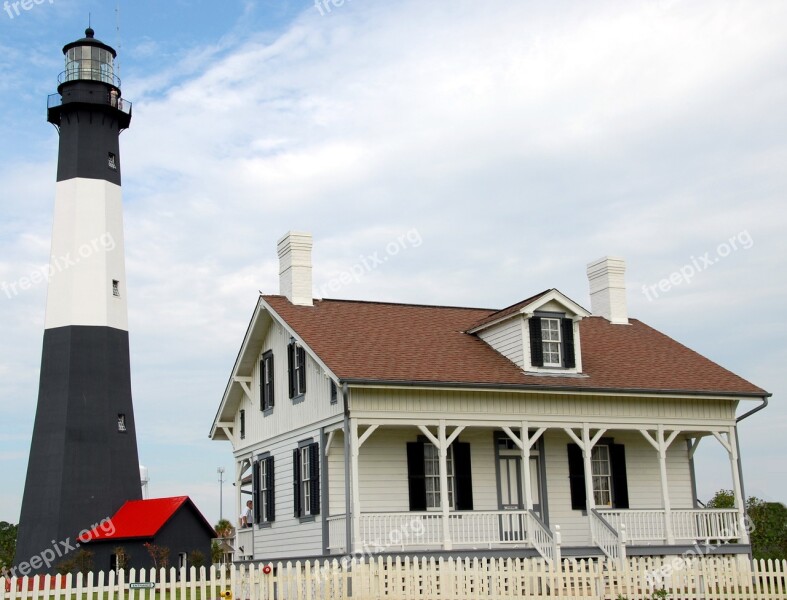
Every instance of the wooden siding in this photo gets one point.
(287, 536)
(506, 338)
(407, 404)
(336, 479)
(286, 416)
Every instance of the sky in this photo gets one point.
(498, 146)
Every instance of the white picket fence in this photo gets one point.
(710, 578)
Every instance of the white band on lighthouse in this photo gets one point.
(87, 283)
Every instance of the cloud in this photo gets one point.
(521, 140)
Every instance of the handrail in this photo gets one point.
(83, 74)
(123, 105)
(612, 543)
(542, 538)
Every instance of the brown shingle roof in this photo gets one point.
(510, 310)
(383, 342)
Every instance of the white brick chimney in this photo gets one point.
(295, 267)
(607, 277)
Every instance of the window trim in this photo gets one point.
(307, 452)
(451, 464)
(267, 388)
(567, 342)
(545, 341)
(296, 359)
(263, 496)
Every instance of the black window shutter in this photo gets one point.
(269, 484)
(291, 368)
(415, 475)
(242, 424)
(620, 488)
(255, 490)
(567, 326)
(464, 478)
(314, 459)
(576, 477)
(536, 343)
(262, 384)
(302, 369)
(296, 480)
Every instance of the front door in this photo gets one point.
(513, 526)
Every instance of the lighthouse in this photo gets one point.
(83, 457)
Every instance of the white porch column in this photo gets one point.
(731, 446)
(525, 444)
(444, 505)
(740, 501)
(586, 444)
(661, 445)
(442, 443)
(355, 485)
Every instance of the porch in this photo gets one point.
(524, 489)
(613, 531)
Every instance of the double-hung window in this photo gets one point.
(602, 475)
(296, 362)
(607, 475)
(432, 476)
(306, 479)
(552, 341)
(264, 490)
(266, 382)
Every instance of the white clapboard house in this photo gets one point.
(538, 429)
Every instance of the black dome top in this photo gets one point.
(90, 40)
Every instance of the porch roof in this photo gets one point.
(379, 342)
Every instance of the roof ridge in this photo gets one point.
(385, 303)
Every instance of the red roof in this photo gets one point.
(141, 519)
(414, 344)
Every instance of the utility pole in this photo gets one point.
(220, 471)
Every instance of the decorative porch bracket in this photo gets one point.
(661, 444)
(443, 443)
(586, 445)
(525, 444)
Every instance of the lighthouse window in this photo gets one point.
(112, 162)
(116, 288)
(122, 423)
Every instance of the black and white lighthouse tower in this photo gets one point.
(83, 459)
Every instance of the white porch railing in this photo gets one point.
(649, 526)
(473, 529)
(244, 542)
(337, 533)
(488, 528)
(708, 524)
(642, 526)
(612, 541)
(398, 530)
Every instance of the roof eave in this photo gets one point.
(550, 388)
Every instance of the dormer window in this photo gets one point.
(552, 341)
